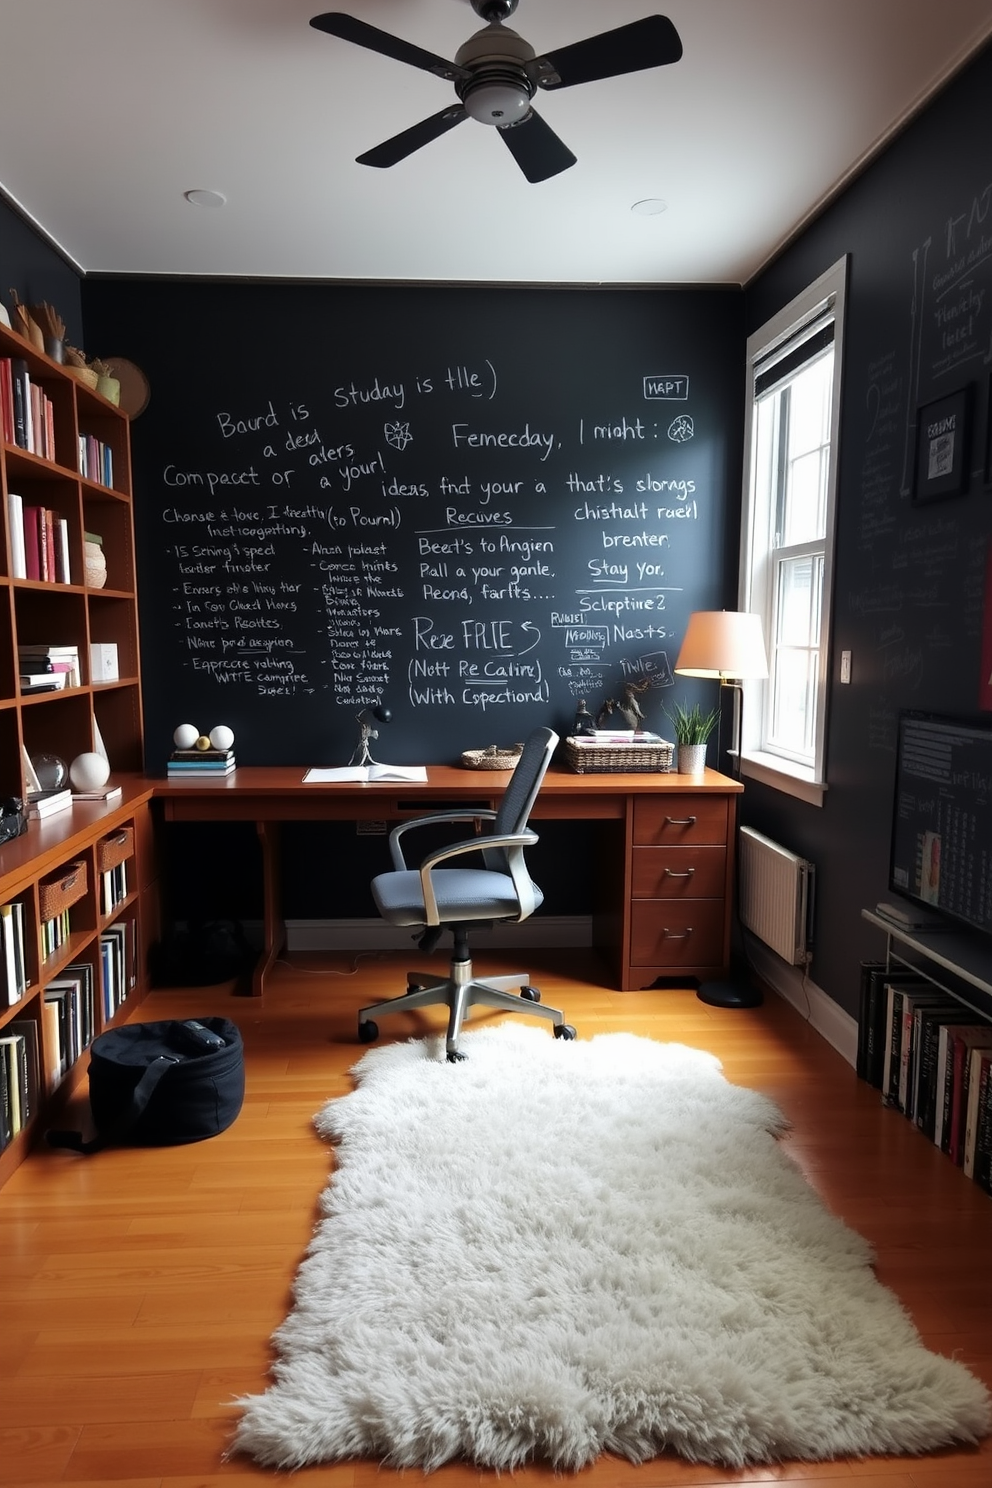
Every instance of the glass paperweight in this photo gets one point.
(52, 772)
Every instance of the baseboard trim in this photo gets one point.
(553, 932)
(821, 1012)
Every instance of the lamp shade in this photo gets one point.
(724, 644)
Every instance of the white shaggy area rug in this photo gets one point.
(556, 1249)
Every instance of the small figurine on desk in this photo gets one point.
(628, 707)
(584, 721)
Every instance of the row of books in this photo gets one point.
(39, 541)
(185, 762)
(118, 964)
(26, 412)
(930, 1056)
(55, 933)
(69, 1013)
(18, 1077)
(52, 666)
(113, 887)
(96, 460)
(15, 978)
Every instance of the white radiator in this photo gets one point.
(775, 895)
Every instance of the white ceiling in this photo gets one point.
(111, 109)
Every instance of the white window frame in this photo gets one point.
(823, 299)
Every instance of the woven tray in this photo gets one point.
(114, 849)
(57, 892)
(493, 758)
(587, 757)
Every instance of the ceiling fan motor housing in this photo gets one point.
(500, 89)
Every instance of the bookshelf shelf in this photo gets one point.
(925, 1036)
(45, 1028)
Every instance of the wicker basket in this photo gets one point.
(114, 849)
(57, 892)
(588, 756)
(493, 758)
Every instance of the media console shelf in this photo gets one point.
(952, 959)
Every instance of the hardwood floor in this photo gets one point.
(139, 1288)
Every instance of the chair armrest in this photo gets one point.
(512, 840)
(395, 836)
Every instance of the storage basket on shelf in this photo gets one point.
(638, 753)
(114, 849)
(57, 892)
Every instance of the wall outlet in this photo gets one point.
(845, 666)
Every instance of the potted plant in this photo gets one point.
(692, 728)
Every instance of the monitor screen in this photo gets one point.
(942, 818)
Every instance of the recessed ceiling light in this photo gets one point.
(205, 198)
(650, 206)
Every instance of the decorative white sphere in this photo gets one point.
(185, 736)
(89, 772)
(221, 737)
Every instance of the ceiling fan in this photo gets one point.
(496, 74)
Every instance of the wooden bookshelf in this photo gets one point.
(57, 607)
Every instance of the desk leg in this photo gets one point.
(274, 925)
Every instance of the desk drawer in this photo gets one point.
(677, 933)
(687, 819)
(678, 872)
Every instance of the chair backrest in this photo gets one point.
(521, 792)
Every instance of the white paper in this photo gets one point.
(326, 775)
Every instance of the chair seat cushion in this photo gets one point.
(462, 894)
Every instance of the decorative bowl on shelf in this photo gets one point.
(94, 564)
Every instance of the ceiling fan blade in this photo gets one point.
(536, 148)
(651, 42)
(335, 23)
(392, 151)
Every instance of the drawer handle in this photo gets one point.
(680, 821)
(671, 873)
(673, 935)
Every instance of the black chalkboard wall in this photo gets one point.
(474, 506)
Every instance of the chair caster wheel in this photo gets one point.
(530, 994)
(564, 1031)
(368, 1031)
(455, 1056)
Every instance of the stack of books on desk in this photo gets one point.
(186, 762)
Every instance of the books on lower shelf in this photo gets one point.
(113, 887)
(69, 1014)
(928, 1053)
(12, 950)
(18, 1077)
(118, 964)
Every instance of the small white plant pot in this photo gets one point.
(691, 759)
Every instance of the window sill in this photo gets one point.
(792, 780)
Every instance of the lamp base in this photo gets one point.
(730, 994)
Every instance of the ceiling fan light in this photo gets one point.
(497, 101)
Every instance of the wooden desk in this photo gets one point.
(663, 848)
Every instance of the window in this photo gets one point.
(787, 535)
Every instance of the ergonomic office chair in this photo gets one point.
(465, 898)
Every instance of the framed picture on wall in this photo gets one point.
(943, 436)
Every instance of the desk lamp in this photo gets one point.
(729, 646)
(366, 718)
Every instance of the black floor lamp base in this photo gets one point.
(731, 994)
